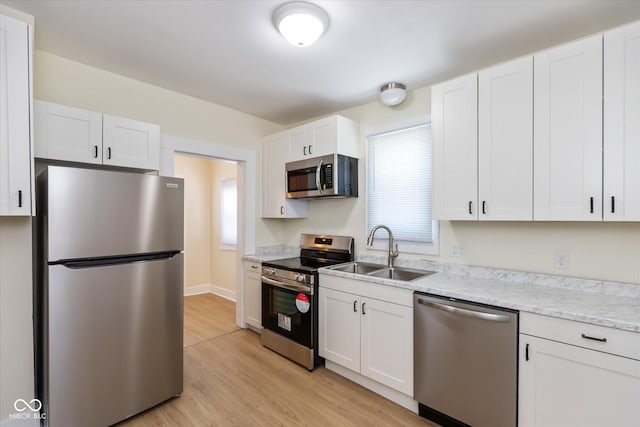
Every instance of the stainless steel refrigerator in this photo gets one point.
(108, 300)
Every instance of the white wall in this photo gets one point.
(67, 82)
(604, 251)
(16, 326)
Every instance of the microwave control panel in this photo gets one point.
(327, 176)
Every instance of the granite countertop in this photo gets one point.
(270, 253)
(602, 303)
(613, 305)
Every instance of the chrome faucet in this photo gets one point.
(392, 253)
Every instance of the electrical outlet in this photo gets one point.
(561, 259)
(457, 251)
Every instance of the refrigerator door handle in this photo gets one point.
(105, 261)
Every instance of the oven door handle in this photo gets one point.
(318, 183)
(277, 283)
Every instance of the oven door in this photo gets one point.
(288, 309)
(311, 177)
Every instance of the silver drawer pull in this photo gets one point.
(587, 337)
(467, 313)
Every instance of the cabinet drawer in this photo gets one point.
(595, 337)
(251, 266)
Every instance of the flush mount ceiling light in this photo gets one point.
(300, 23)
(393, 93)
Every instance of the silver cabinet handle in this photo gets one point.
(467, 313)
(254, 266)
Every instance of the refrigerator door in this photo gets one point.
(95, 213)
(115, 340)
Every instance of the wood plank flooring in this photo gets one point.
(231, 380)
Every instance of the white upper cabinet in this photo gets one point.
(335, 134)
(130, 143)
(275, 204)
(67, 133)
(505, 141)
(454, 116)
(77, 135)
(16, 160)
(622, 124)
(568, 132)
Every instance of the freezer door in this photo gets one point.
(95, 213)
(115, 341)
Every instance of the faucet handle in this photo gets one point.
(395, 253)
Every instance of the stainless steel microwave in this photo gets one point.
(333, 175)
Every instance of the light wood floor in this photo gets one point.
(231, 380)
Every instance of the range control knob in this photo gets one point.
(300, 277)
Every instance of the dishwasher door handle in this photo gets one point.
(467, 313)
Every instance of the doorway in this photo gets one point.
(210, 225)
(246, 190)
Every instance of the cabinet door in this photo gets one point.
(454, 115)
(274, 152)
(387, 344)
(275, 149)
(561, 385)
(130, 143)
(67, 133)
(568, 132)
(16, 163)
(505, 141)
(252, 296)
(622, 124)
(299, 140)
(339, 328)
(323, 137)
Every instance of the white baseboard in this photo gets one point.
(210, 289)
(384, 391)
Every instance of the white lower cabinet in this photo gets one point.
(571, 379)
(370, 336)
(252, 294)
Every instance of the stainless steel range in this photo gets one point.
(289, 297)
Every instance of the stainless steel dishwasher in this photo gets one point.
(465, 362)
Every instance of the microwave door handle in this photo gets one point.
(318, 183)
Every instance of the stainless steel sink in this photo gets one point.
(357, 267)
(403, 274)
(379, 270)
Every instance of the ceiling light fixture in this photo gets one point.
(393, 93)
(301, 23)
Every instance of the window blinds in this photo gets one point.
(399, 183)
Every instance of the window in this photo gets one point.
(399, 188)
(229, 213)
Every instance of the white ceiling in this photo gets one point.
(228, 51)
